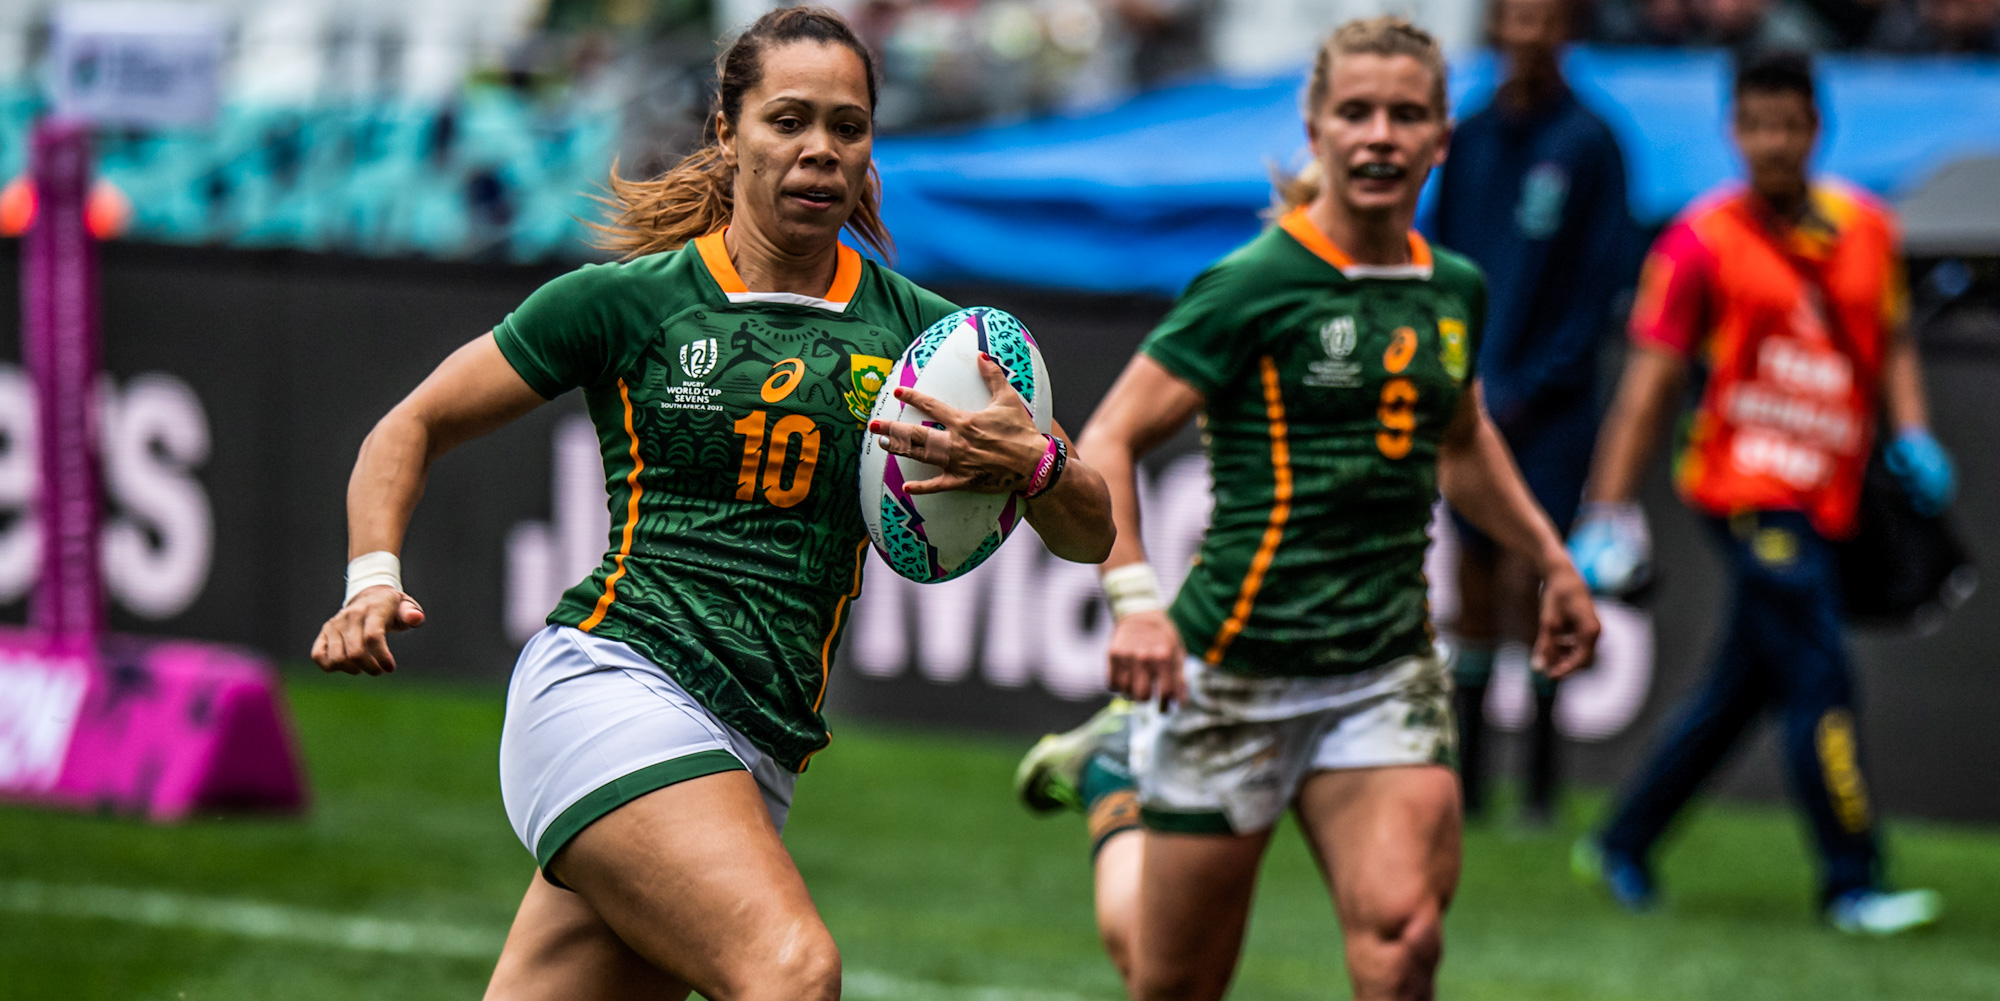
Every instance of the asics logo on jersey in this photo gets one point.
(1338, 337)
(698, 357)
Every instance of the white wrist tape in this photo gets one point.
(1133, 587)
(369, 569)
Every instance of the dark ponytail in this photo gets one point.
(697, 195)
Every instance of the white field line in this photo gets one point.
(257, 920)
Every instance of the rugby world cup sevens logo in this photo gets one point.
(1337, 337)
(868, 374)
(698, 357)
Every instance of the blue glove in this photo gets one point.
(1612, 549)
(1924, 470)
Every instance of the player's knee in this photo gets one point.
(811, 973)
(1118, 947)
(806, 968)
(1177, 983)
(1395, 954)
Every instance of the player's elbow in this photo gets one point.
(401, 432)
(1083, 545)
(1084, 531)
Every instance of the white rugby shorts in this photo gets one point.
(1231, 757)
(592, 725)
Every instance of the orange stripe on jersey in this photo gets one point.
(1303, 230)
(1281, 511)
(1309, 236)
(808, 759)
(846, 275)
(1420, 250)
(839, 608)
(716, 256)
(631, 517)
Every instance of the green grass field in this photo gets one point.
(401, 880)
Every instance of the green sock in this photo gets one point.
(1110, 799)
(1102, 776)
(1474, 664)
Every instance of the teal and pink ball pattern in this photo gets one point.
(902, 539)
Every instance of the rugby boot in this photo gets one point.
(1625, 878)
(1881, 912)
(1050, 776)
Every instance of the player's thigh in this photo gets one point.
(1388, 841)
(1115, 874)
(1195, 892)
(560, 950)
(694, 878)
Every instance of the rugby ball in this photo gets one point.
(936, 537)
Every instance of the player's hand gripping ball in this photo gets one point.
(932, 537)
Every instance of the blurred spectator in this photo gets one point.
(1169, 38)
(1958, 26)
(1760, 26)
(1534, 193)
(1742, 25)
(1852, 22)
(1647, 22)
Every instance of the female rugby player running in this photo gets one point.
(1332, 357)
(654, 730)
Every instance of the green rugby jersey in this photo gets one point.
(1327, 388)
(731, 426)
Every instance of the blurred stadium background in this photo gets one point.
(380, 181)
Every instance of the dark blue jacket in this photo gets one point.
(1539, 203)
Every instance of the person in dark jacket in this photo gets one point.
(1534, 193)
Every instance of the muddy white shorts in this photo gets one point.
(1230, 759)
(593, 725)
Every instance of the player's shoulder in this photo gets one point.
(1455, 271)
(653, 280)
(1271, 258)
(889, 299)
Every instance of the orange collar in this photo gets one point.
(846, 274)
(1309, 236)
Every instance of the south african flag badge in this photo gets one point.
(867, 374)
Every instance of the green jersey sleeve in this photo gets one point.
(1470, 282)
(916, 307)
(569, 332)
(1202, 341)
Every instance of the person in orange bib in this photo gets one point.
(1788, 293)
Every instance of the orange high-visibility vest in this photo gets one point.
(1791, 321)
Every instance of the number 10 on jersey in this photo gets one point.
(768, 445)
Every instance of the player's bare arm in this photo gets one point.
(1648, 396)
(472, 393)
(1478, 476)
(998, 450)
(1144, 408)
